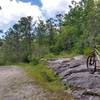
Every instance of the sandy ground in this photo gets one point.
(15, 85)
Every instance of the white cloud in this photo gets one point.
(12, 10)
(52, 7)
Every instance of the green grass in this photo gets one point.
(43, 76)
(67, 54)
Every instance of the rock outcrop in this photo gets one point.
(74, 74)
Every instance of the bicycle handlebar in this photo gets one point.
(97, 45)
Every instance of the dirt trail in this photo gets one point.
(15, 85)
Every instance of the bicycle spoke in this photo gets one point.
(91, 64)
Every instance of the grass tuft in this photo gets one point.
(43, 76)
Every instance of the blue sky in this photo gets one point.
(13, 10)
(34, 2)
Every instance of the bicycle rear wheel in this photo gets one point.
(91, 63)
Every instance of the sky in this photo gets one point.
(13, 10)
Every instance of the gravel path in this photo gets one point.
(15, 85)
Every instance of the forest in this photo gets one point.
(71, 33)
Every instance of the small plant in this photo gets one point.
(35, 60)
(46, 77)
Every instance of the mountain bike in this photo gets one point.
(93, 59)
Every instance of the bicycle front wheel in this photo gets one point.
(91, 63)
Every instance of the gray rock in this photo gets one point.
(74, 73)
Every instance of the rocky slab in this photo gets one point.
(73, 73)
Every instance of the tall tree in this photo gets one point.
(51, 31)
(18, 39)
(41, 33)
(27, 35)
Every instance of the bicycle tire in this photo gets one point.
(91, 61)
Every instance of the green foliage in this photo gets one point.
(73, 33)
(87, 51)
(50, 55)
(39, 50)
(41, 33)
(35, 60)
(2, 62)
(43, 76)
(17, 45)
(46, 76)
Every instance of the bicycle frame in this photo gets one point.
(93, 60)
(97, 55)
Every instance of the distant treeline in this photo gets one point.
(73, 32)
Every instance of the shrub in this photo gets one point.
(35, 60)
